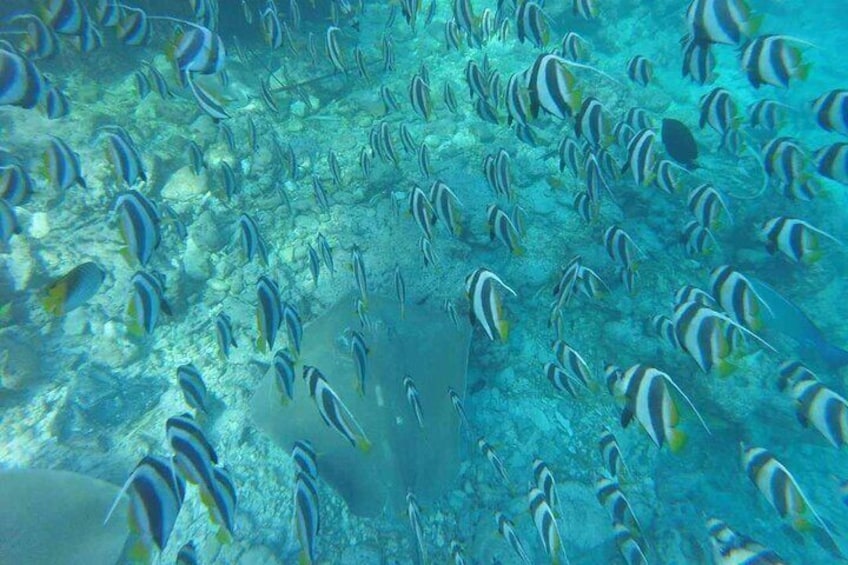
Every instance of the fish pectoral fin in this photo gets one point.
(55, 298)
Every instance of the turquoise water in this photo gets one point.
(89, 391)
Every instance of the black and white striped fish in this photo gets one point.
(507, 530)
(458, 407)
(443, 203)
(795, 238)
(502, 226)
(769, 59)
(326, 252)
(649, 401)
(640, 70)
(269, 312)
(358, 263)
(156, 497)
(640, 157)
(15, 184)
(359, 353)
(780, 489)
(593, 124)
(574, 364)
(546, 525)
(818, 406)
(304, 458)
(707, 206)
(610, 454)
(284, 375)
(611, 497)
(333, 411)
(721, 21)
(294, 327)
(413, 513)
(419, 97)
(731, 548)
(198, 50)
(698, 61)
(421, 209)
(573, 47)
(737, 296)
(205, 101)
(766, 114)
(332, 50)
(718, 110)
(307, 521)
(545, 482)
(832, 162)
(530, 23)
(252, 242)
(485, 302)
(414, 399)
(831, 111)
(63, 165)
(194, 456)
(621, 248)
(192, 385)
(147, 301)
(497, 464)
(133, 27)
(552, 87)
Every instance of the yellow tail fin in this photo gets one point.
(677, 441)
(363, 444)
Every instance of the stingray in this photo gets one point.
(425, 345)
(55, 517)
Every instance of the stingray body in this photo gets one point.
(404, 456)
(56, 517)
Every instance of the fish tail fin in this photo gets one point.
(755, 22)
(260, 344)
(813, 256)
(223, 536)
(364, 444)
(804, 71)
(139, 552)
(303, 558)
(54, 300)
(503, 329)
(127, 255)
(677, 440)
(135, 329)
(518, 251)
(724, 368)
(802, 524)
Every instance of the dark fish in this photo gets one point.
(679, 143)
